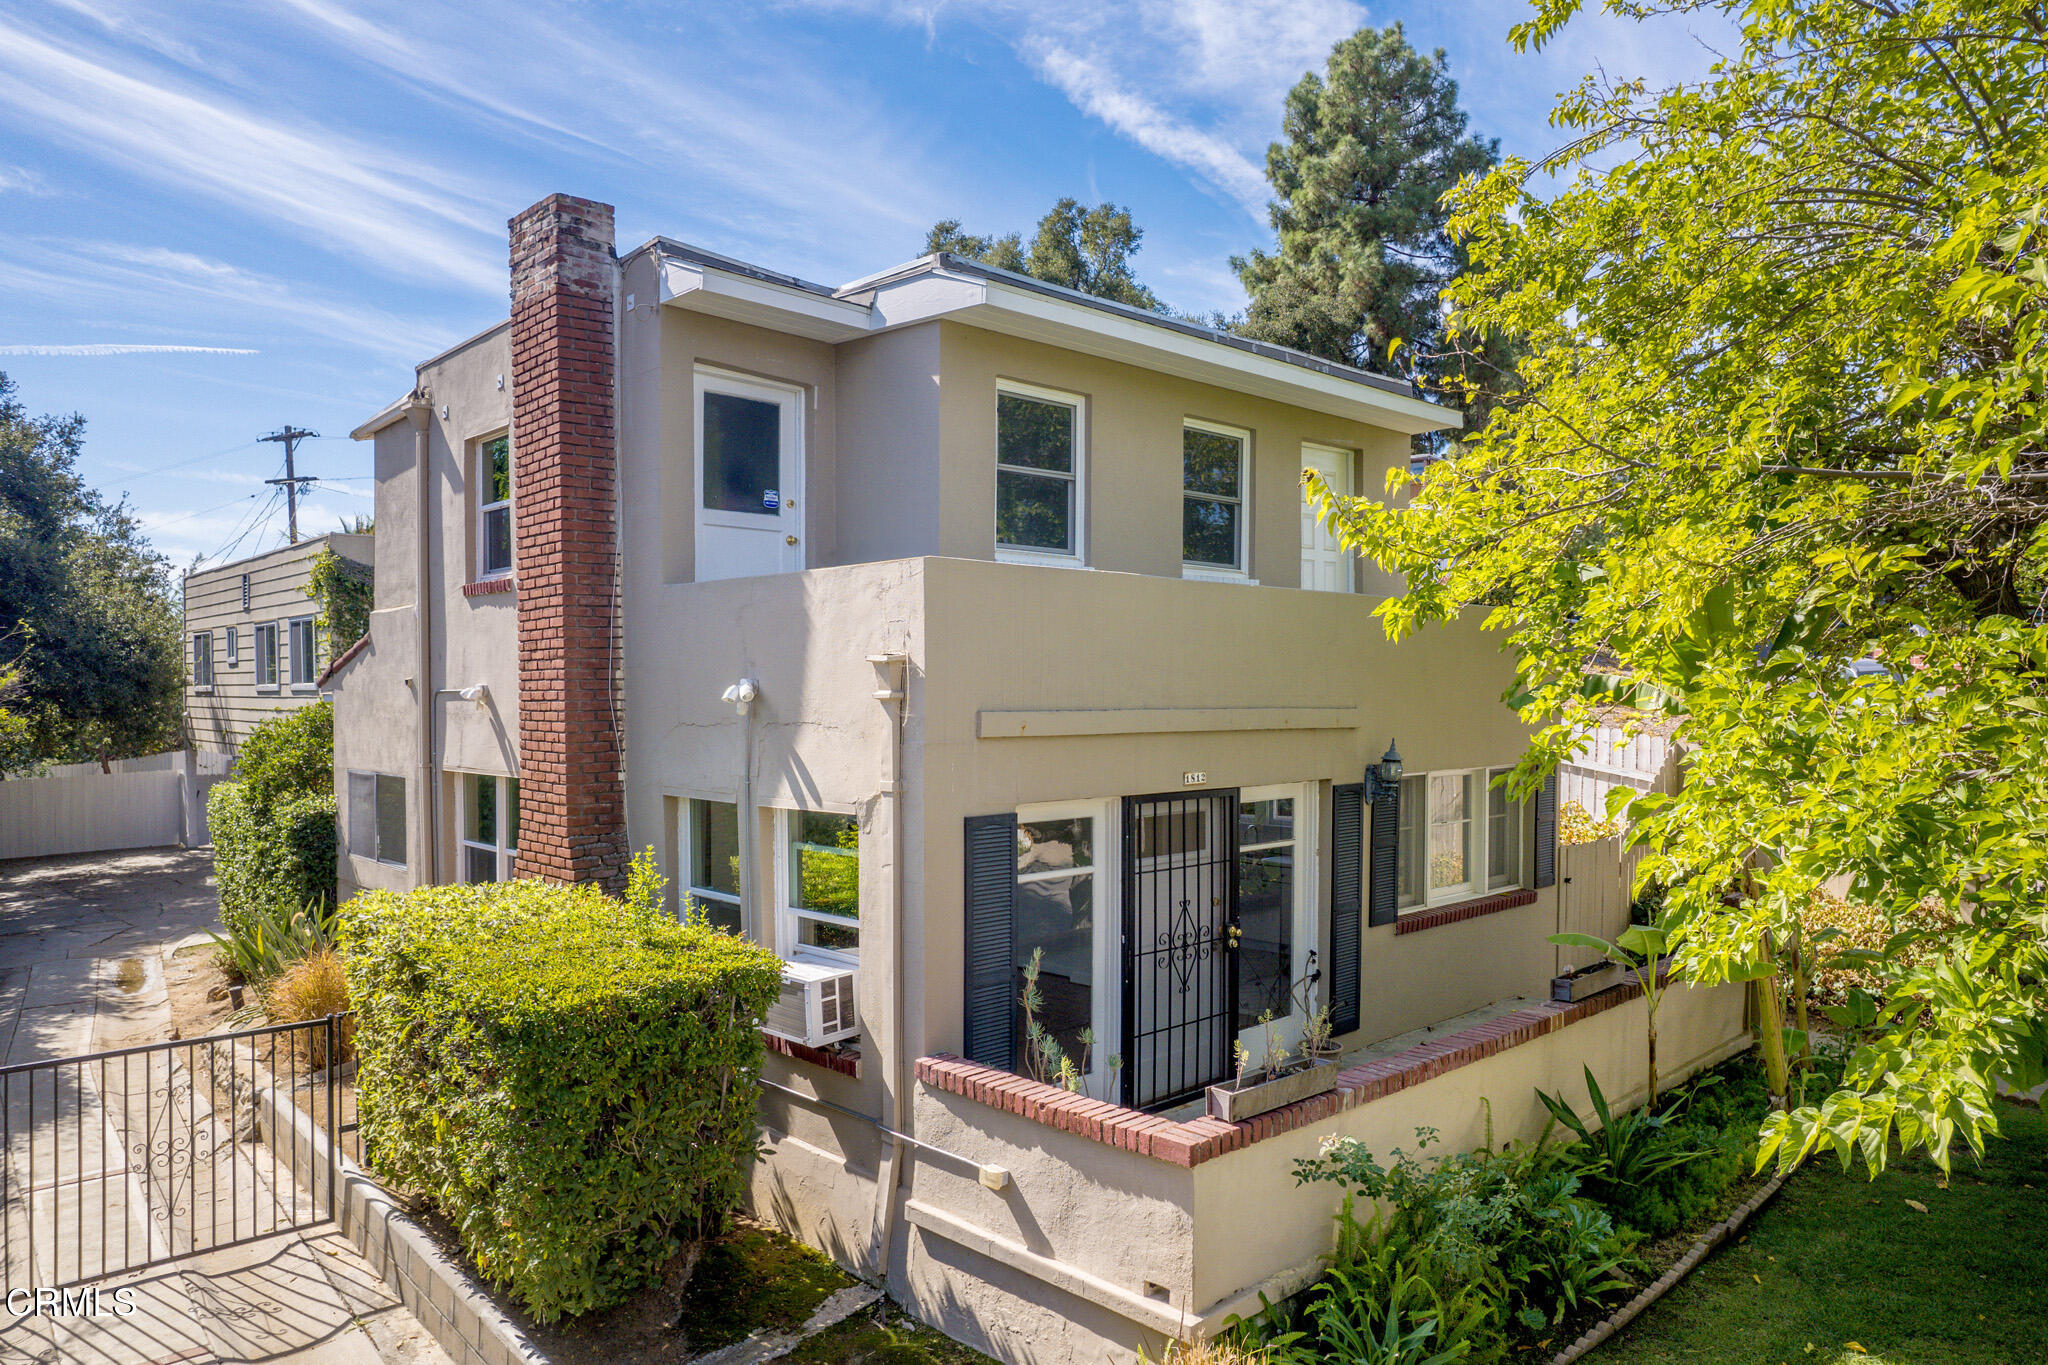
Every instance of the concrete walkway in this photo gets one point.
(143, 1159)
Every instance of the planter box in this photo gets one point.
(1258, 1095)
(1573, 987)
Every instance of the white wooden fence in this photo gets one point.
(1592, 895)
(1610, 758)
(144, 803)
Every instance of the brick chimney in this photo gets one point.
(572, 804)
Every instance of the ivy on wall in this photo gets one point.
(343, 588)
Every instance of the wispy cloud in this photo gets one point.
(229, 299)
(21, 180)
(1198, 83)
(377, 207)
(123, 348)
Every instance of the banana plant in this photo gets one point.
(1638, 949)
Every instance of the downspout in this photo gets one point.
(893, 676)
(742, 694)
(423, 622)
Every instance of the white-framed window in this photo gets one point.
(490, 827)
(1276, 849)
(1461, 835)
(710, 859)
(234, 647)
(818, 873)
(1041, 464)
(494, 507)
(376, 816)
(1062, 895)
(1215, 498)
(300, 650)
(266, 657)
(202, 659)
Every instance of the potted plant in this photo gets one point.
(1317, 1041)
(1279, 1080)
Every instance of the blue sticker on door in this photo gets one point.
(771, 500)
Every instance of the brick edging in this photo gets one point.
(1419, 920)
(845, 1063)
(490, 587)
(1204, 1139)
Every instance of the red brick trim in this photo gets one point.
(489, 587)
(844, 1060)
(343, 660)
(1416, 921)
(1204, 1139)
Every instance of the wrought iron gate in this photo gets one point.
(1180, 939)
(114, 1161)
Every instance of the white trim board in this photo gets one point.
(1163, 721)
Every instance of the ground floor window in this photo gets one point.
(1461, 835)
(820, 876)
(1266, 909)
(711, 861)
(376, 817)
(1057, 850)
(490, 827)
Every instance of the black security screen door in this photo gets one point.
(1180, 930)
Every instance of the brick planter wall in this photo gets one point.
(572, 805)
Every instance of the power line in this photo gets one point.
(242, 529)
(190, 460)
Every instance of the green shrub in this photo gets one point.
(289, 755)
(571, 1082)
(270, 861)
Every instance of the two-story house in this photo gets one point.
(930, 626)
(253, 646)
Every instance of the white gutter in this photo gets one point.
(743, 694)
(419, 411)
(892, 674)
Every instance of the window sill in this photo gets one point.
(843, 1058)
(489, 587)
(305, 689)
(267, 689)
(1193, 574)
(1046, 559)
(202, 690)
(1457, 912)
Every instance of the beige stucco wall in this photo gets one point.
(1134, 462)
(474, 639)
(1068, 1262)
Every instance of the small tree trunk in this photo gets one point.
(1651, 1105)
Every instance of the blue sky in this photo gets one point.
(225, 217)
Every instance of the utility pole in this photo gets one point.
(290, 438)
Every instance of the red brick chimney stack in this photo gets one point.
(572, 805)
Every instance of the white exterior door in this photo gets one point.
(1325, 566)
(749, 473)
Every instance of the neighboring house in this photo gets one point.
(252, 649)
(928, 624)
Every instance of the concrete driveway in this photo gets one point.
(83, 944)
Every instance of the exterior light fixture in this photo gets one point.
(1384, 776)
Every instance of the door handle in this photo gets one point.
(789, 540)
(1233, 934)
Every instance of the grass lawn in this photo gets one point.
(1839, 1270)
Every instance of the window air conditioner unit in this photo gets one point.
(816, 1006)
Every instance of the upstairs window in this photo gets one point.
(494, 507)
(1039, 459)
(821, 870)
(301, 650)
(1213, 497)
(234, 648)
(266, 654)
(202, 659)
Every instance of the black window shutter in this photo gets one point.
(1347, 884)
(991, 914)
(1546, 832)
(1386, 855)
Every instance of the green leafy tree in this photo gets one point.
(1780, 468)
(1088, 249)
(1371, 149)
(102, 674)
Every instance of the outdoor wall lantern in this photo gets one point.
(1385, 775)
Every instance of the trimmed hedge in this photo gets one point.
(270, 858)
(289, 755)
(570, 1082)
